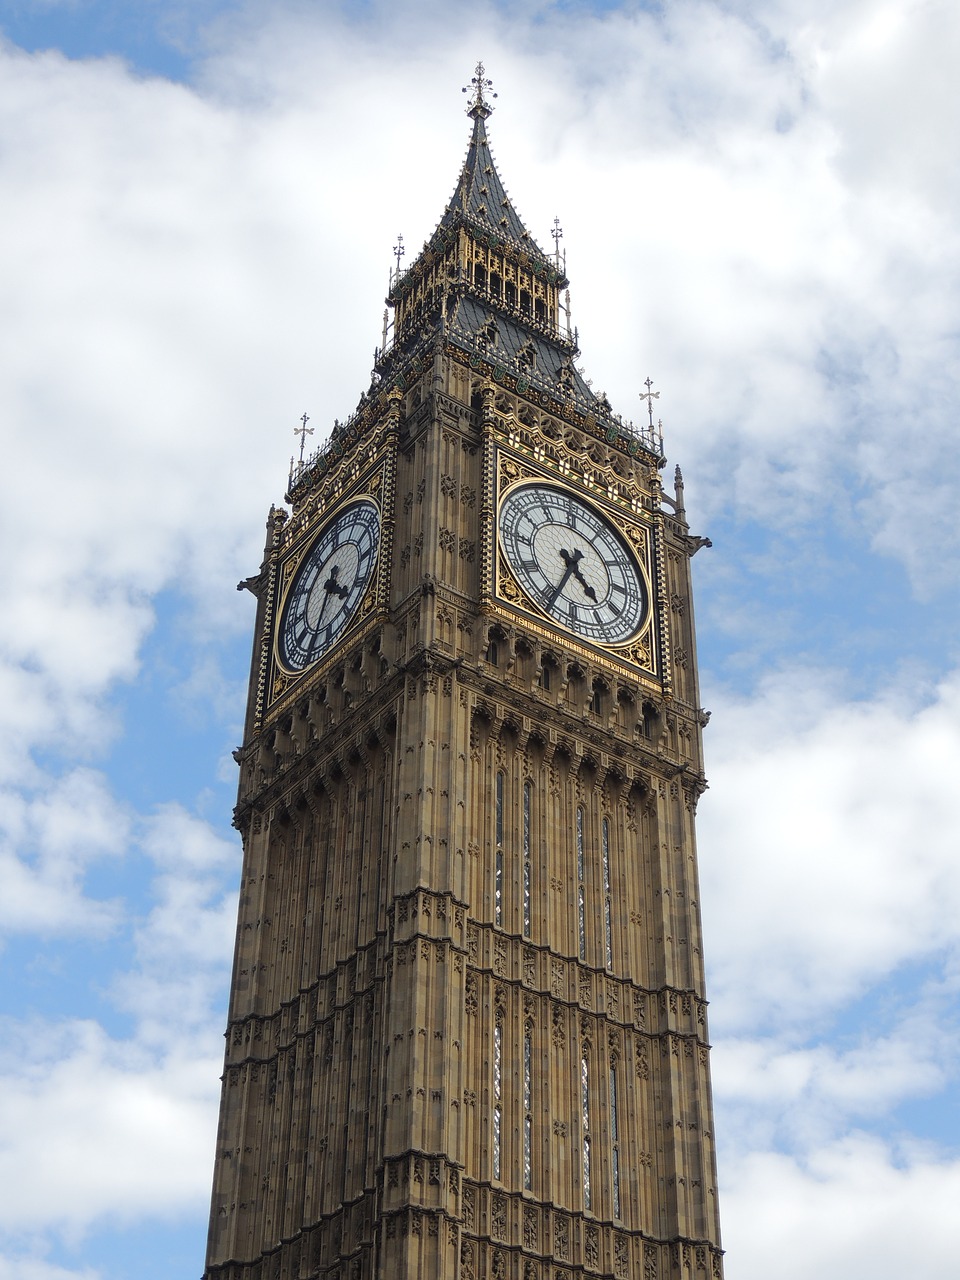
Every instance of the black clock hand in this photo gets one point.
(571, 561)
(331, 586)
(588, 591)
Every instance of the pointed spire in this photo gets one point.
(480, 195)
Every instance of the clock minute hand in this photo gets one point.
(588, 591)
(571, 562)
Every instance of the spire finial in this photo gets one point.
(479, 108)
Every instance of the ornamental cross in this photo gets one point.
(399, 251)
(303, 431)
(649, 396)
(479, 83)
(557, 234)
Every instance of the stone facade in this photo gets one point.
(467, 1028)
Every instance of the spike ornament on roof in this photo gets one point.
(479, 105)
(303, 431)
(649, 395)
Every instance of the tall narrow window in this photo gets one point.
(585, 1124)
(497, 1093)
(527, 1107)
(526, 859)
(607, 919)
(615, 1139)
(498, 858)
(581, 895)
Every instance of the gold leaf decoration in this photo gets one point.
(507, 585)
(509, 471)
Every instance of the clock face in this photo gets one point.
(328, 585)
(572, 563)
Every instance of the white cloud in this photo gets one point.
(95, 1128)
(27, 1267)
(98, 1127)
(855, 1209)
(185, 943)
(828, 841)
(774, 1094)
(49, 839)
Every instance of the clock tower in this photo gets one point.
(467, 1030)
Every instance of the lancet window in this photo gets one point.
(497, 1093)
(615, 1138)
(498, 855)
(581, 890)
(607, 906)
(585, 1124)
(527, 873)
(528, 1106)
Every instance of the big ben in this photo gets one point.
(467, 1029)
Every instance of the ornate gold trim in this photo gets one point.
(511, 473)
(284, 676)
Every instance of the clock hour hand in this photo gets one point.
(332, 587)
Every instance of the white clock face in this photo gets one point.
(329, 585)
(572, 563)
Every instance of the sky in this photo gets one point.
(198, 203)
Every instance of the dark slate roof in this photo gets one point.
(482, 196)
(471, 324)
